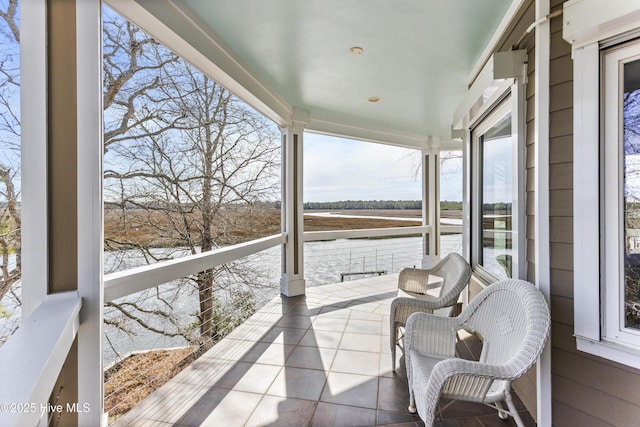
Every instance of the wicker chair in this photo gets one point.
(513, 320)
(412, 293)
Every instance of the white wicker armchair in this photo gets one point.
(513, 319)
(413, 284)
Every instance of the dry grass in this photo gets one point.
(128, 382)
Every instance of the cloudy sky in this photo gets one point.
(339, 169)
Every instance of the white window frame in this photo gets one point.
(503, 74)
(590, 26)
(510, 101)
(613, 329)
(510, 104)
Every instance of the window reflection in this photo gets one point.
(631, 141)
(497, 199)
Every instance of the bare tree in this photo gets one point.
(134, 98)
(193, 185)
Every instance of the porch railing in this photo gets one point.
(126, 282)
(31, 360)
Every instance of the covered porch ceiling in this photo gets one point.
(292, 59)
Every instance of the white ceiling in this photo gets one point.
(294, 54)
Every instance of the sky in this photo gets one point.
(341, 169)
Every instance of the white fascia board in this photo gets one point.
(589, 21)
(181, 30)
(328, 126)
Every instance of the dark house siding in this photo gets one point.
(587, 390)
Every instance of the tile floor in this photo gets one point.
(318, 360)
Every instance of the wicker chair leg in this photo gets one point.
(513, 410)
(392, 338)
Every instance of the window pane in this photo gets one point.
(631, 141)
(497, 199)
(10, 181)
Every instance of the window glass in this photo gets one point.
(10, 171)
(631, 193)
(497, 199)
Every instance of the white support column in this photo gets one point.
(33, 117)
(542, 226)
(58, 37)
(431, 202)
(90, 210)
(292, 280)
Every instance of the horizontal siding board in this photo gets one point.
(561, 203)
(531, 272)
(530, 153)
(562, 282)
(561, 256)
(559, 47)
(530, 110)
(561, 149)
(562, 338)
(561, 96)
(530, 89)
(561, 229)
(531, 227)
(595, 403)
(564, 415)
(531, 204)
(531, 251)
(562, 309)
(530, 183)
(619, 383)
(561, 176)
(561, 123)
(561, 70)
(530, 133)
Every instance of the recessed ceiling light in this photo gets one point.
(356, 50)
(374, 99)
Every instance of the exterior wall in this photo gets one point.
(586, 390)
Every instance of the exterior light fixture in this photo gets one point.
(356, 50)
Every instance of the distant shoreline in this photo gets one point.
(142, 227)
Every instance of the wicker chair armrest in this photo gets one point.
(431, 335)
(425, 303)
(403, 307)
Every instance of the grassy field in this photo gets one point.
(156, 228)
